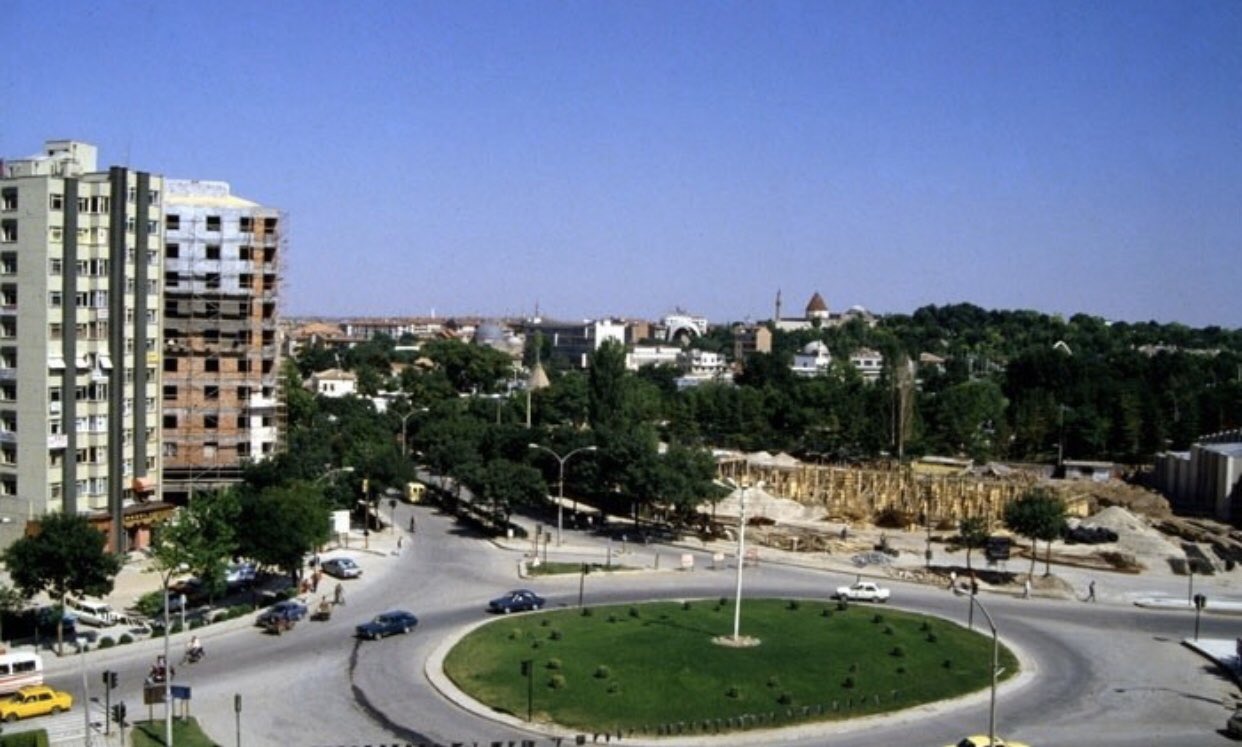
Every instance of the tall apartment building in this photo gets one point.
(221, 356)
(80, 278)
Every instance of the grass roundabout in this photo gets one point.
(653, 668)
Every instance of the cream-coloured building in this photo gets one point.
(80, 281)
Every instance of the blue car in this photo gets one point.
(287, 612)
(518, 599)
(388, 623)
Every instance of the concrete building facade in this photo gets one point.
(1207, 480)
(221, 397)
(80, 278)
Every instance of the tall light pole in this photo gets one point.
(404, 418)
(560, 484)
(741, 552)
(995, 666)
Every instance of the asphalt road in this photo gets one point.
(1096, 675)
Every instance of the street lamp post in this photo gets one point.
(741, 553)
(404, 418)
(560, 484)
(995, 666)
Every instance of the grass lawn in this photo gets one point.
(652, 668)
(186, 733)
(556, 567)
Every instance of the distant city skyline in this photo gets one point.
(629, 159)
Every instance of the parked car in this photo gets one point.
(341, 568)
(89, 612)
(388, 623)
(288, 611)
(240, 575)
(35, 700)
(983, 741)
(863, 591)
(518, 599)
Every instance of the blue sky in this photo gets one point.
(600, 158)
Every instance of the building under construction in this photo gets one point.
(221, 398)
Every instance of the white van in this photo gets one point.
(18, 670)
(99, 614)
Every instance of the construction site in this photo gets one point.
(889, 518)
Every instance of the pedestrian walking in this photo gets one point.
(339, 595)
(974, 586)
(399, 538)
(1091, 591)
(952, 580)
(315, 581)
(1026, 589)
(411, 525)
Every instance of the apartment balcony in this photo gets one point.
(59, 441)
(8, 374)
(8, 437)
(8, 309)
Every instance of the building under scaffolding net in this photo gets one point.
(222, 403)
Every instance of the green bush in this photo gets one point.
(931, 637)
(826, 613)
(848, 682)
(602, 672)
(586, 612)
(555, 635)
(554, 663)
(774, 681)
(685, 605)
(36, 738)
(734, 692)
(854, 666)
(888, 630)
(124, 639)
(785, 698)
(106, 642)
(948, 664)
(614, 687)
(557, 682)
(898, 651)
(877, 618)
(634, 612)
(545, 622)
(793, 605)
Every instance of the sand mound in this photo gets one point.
(1135, 535)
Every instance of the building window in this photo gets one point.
(213, 251)
(54, 265)
(243, 365)
(8, 198)
(213, 280)
(8, 264)
(209, 450)
(211, 422)
(213, 223)
(211, 365)
(243, 393)
(172, 279)
(211, 392)
(172, 250)
(172, 222)
(56, 201)
(245, 224)
(269, 225)
(170, 365)
(170, 420)
(170, 392)
(8, 230)
(244, 252)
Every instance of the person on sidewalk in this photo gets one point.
(339, 595)
(1091, 591)
(952, 580)
(1026, 589)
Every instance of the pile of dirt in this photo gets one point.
(1101, 495)
(1135, 536)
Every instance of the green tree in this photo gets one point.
(280, 525)
(1039, 514)
(607, 385)
(506, 485)
(67, 556)
(972, 532)
(200, 539)
(11, 600)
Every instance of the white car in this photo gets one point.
(863, 591)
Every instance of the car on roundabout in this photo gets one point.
(864, 591)
(341, 568)
(35, 700)
(386, 624)
(517, 600)
(983, 741)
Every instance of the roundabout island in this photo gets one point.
(659, 669)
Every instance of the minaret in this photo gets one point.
(778, 306)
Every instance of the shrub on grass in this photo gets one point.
(586, 612)
(948, 664)
(722, 602)
(826, 613)
(877, 618)
(898, 651)
(842, 605)
(734, 692)
(931, 637)
(614, 688)
(545, 622)
(536, 644)
(901, 670)
(554, 663)
(124, 639)
(557, 682)
(613, 619)
(785, 698)
(854, 666)
(685, 605)
(554, 635)
(793, 605)
(602, 672)
(774, 681)
(848, 682)
(106, 643)
(888, 630)
(634, 612)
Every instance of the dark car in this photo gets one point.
(518, 599)
(286, 611)
(388, 623)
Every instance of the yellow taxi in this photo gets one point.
(35, 700)
(983, 741)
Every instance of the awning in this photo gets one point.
(56, 363)
(105, 361)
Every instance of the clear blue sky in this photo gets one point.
(628, 158)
